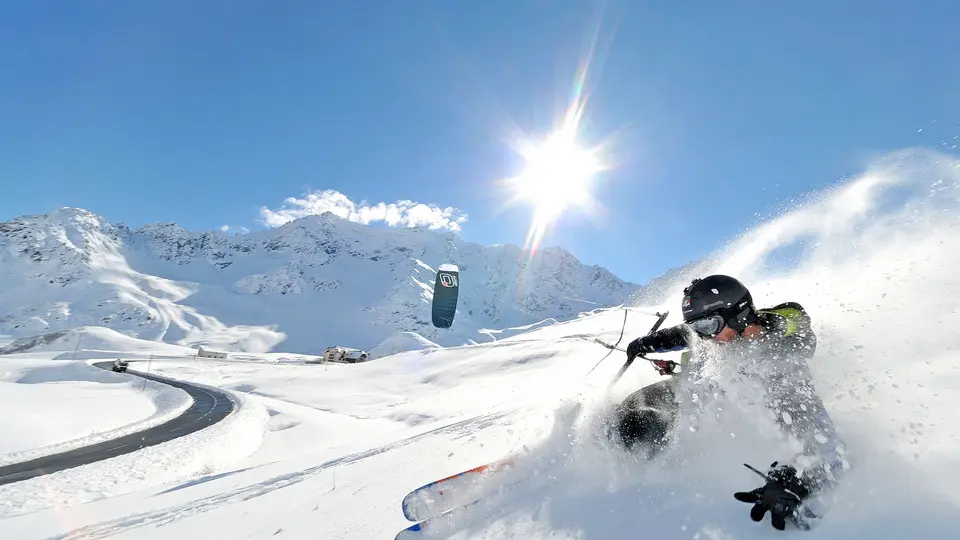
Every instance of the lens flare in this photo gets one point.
(559, 172)
(558, 175)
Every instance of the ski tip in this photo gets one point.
(410, 533)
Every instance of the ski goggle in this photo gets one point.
(708, 326)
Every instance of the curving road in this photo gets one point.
(209, 407)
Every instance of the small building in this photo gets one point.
(203, 353)
(344, 355)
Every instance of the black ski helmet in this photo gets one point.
(722, 296)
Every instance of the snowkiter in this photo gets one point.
(772, 346)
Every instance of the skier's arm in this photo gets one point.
(801, 412)
(670, 339)
(794, 399)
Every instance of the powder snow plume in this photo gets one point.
(874, 261)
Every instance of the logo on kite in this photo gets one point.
(446, 290)
(448, 280)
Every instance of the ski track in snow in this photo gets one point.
(166, 516)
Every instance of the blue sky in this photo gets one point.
(204, 113)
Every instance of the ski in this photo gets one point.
(438, 499)
(432, 524)
(445, 519)
(456, 490)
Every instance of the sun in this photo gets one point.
(558, 175)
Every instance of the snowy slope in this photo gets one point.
(401, 342)
(311, 283)
(874, 264)
(86, 340)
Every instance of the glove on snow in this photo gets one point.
(781, 495)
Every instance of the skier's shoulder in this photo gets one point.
(790, 315)
(789, 310)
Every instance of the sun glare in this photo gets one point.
(558, 175)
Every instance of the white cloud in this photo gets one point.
(398, 214)
(236, 230)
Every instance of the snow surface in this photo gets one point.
(92, 340)
(180, 460)
(401, 342)
(338, 446)
(503, 333)
(60, 405)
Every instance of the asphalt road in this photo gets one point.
(209, 407)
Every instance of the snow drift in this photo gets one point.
(494, 335)
(401, 342)
(202, 452)
(92, 340)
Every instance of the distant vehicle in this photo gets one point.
(355, 355)
(344, 355)
(120, 366)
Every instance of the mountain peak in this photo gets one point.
(311, 283)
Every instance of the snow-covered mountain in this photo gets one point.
(314, 282)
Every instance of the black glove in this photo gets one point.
(781, 495)
(641, 345)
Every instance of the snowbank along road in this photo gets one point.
(209, 407)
